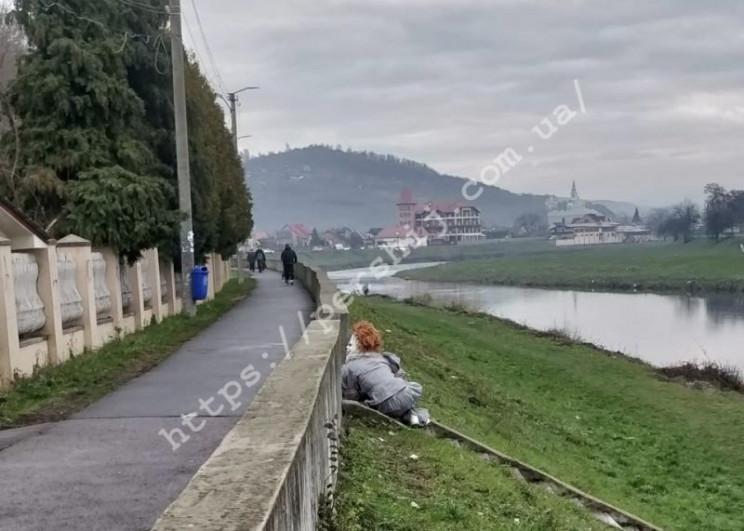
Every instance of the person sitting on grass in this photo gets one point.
(377, 379)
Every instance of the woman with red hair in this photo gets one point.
(377, 379)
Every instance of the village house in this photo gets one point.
(295, 234)
(401, 238)
(590, 229)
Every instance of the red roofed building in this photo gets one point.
(295, 234)
(444, 221)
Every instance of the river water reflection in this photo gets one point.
(661, 329)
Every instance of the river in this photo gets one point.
(660, 329)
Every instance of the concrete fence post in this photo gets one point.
(153, 273)
(169, 274)
(215, 271)
(81, 253)
(221, 270)
(9, 342)
(46, 259)
(210, 278)
(138, 298)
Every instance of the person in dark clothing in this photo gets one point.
(252, 261)
(261, 260)
(289, 259)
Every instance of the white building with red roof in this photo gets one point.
(444, 221)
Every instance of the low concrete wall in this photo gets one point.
(273, 468)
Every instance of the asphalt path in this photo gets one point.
(119, 463)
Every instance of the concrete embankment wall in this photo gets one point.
(274, 467)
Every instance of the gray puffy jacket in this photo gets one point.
(371, 377)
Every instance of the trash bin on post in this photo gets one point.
(199, 283)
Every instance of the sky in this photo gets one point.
(454, 83)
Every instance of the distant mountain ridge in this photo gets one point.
(325, 187)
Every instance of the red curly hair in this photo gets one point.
(368, 338)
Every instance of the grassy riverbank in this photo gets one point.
(702, 264)
(334, 260)
(610, 426)
(382, 486)
(54, 393)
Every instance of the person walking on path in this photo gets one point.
(261, 260)
(289, 259)
(252, 261)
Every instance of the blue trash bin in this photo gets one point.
(199, 283)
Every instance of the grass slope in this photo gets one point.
(672, 455)
(451, 488)
(55, 392)
(331, 260)
(656, 267)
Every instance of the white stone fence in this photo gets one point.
(62, 299)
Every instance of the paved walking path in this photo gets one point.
(108, 468)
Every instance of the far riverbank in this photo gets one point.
(700, 266)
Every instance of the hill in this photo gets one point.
(325, 187)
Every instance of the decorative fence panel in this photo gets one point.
(103, 295)
(71, 303)
(29, 306)
(126, 288)
(146, 281)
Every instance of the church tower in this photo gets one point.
(574, 193)
(406, 209)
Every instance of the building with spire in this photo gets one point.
(562, 211)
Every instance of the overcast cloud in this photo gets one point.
(452, 83)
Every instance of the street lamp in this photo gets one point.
(232, 102)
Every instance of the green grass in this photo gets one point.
(452, 488)
(700, 265)
(670, 454)
(333, 260)
(55, 392)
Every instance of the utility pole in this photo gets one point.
(182, 155)
(232, 102)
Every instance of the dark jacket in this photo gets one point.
(289, 256)
(260, 256)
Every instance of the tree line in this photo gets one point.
(722, 213)
(88, 137)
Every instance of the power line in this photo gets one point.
(145, 7)
(152, 9)
(209, 50)
(196, 51)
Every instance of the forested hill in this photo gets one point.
(325, 187)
